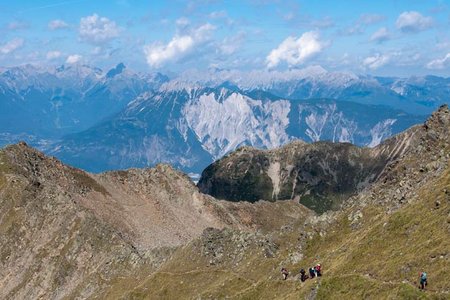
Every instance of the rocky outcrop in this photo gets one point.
(425, 155)
(320, 174)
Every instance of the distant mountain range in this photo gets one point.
(101, 120)
(415, 95)
(52, 102)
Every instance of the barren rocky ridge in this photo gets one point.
(60, 224)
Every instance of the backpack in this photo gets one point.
(423, 276)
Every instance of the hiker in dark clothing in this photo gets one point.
(303, 275)
(285, 273)
(312, 272)
(423, 280)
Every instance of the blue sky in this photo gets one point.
(390, 37)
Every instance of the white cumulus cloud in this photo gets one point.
(57, 24)
(413, 21)
(296, 51)
(440, 63)
(12, 45)
(376, 61)
(96, 30)
(380, 35)
(158, 53)
(53, 55)
(73, 59)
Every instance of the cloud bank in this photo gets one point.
(57, 24)
(73, 59)
(158, 53)
(381, 35)
(412, 21)
(295, 51)
(376, 61)
(53, 55)
(97, 30)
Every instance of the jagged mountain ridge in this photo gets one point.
(75, 111)
(190, 128)
(416, 94)
(50, 102)
(422, 154)
(65, 232)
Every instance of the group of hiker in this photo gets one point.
(315, 271)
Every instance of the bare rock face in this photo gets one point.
(50, 245)
(321, 174)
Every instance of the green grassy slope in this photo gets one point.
(377, 257)
(374, 248)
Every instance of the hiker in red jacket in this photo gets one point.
(318, 270)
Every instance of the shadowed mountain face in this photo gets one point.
(319, 174)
